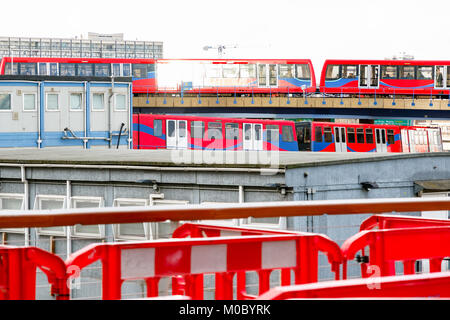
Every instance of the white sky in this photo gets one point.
(314, 29)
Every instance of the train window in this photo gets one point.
(272, 74)
(258, 131)
(360, 135)
(286, 71)
(232, 131)
(349, 72)
(53, 69)
(5, 101)
(302, 71)
(407, 72)
(197, 129)
(52, 102)
(28, 69)
(369, 135)
(213, 70)
(85, 70)
(67, 69)
(287, 134)
(126, 70)
(307, 135)
(181, 129)
(318, 134)
(383, 137)
(273, 133)
(332, 72)
(327, 134)
(42, 69)
(116, 70)
(171, 129)
(424, 72)
(351, 135)
(7, 68)
(157, 128)
(151, 67)
(98, 101)
(139, 70)
(389, 72)
(247, 71)
(215, 130)
(390, 136)
(102, 70)
(247, 131)
(29, 102)
(75, 101)
(231, 71)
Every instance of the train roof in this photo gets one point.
(183, 117)
(387, 62)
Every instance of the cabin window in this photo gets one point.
(328, 135)
(232, 131)
(157, 128)
(287, 134)
(349, 72)
(29, 102)
(98, 101)
(52, 102)
(332, 72)
(351, 135)
(286, 71)
(390, 136)
(273, 133)
(75, 101)
(369, 135)
(231, 71)
(213, 70)
(318, 134)
(424, 73)
(389, 72)
(121, 102)
(197, 129)
(5, 101)
(360, 135)
(215, 130)
(302, 72)
(406, 72)
(247, 71)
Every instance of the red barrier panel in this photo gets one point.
(407, 245)
(391, 222)
(18, 273)
(192, 258)
(436, 285)
(198, 230)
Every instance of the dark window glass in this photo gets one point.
(351, 135)
(43, 69)
(328, 135)
(28, 69)
(140, 70)
(182, 129)
(53, 69)
(157, 128)
(349, 72)
(343, 134)
(369, 135)
(247, 131)
(5, 101)
(390, 136)
(360, 135)
(383, 136)
(332, 72)
(273, 133)
(406, 72)
(67, 69)
(286, 71)
(302, 72)
(389, 72)
(126, 70)
(287, 133)
(116, 70)
(232, 131)
(214, 130)
(171, 129)
(102, 70)
(424, 73)
(85, 70)
(318, 134)
(150, 67)
(197, 129)
(336, 135)
(258, 132)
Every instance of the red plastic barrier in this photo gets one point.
(391, 222)
(407, 245)
(436, 285)
(18, 273)
(192, 258)
(198, 230)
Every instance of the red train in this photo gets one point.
(203, 133)
(196, 76)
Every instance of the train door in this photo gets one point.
(380, 139)
(176, 134)
(440, 75)
(339, 139)
(253, 136)
(405, 142)
(434, 140)
(267, 75)
(369, 76)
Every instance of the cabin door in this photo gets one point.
(176, 134)
(369, 76)
(380, 139)
(253, 136)
(339, 139)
